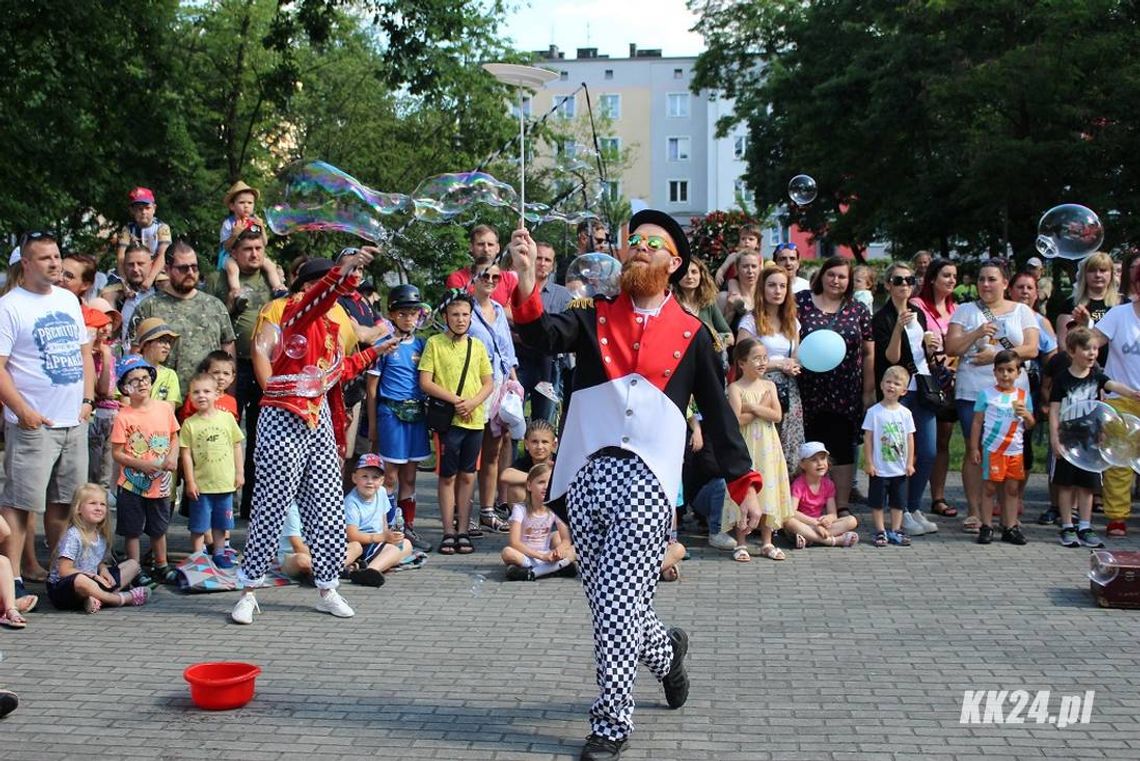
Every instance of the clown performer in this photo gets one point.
(300, 433)
(641, 357)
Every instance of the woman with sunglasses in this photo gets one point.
(978, 331)
(901, 338)
(489, 324)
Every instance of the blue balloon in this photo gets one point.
(822, 351)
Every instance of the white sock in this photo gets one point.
(1082, 525)
(545, 569)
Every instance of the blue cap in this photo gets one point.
(132, 362)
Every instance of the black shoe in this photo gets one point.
(571, 571)
(985, 535)
(9, 700)
(367, 577)
(598, 748)
(1013, 535)
(21, 590)
(676, 683)
(423, 545)
(518, 573)
(1049, 517)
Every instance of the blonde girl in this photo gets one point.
(539, 542)
(754, 400)
(816, 519)
(79, 578)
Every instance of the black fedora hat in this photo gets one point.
(675, 231)
(311, 270)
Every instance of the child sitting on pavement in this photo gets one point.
(378, 546)
(539, 542)
(79, 578)
(816, 519)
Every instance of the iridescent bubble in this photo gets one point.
(536, 212)
(1083, 432)
(431, 210)
(1074, 231)
(296, 346)
(458, 191)
(802, 190)
(594, 274)
(1045, 246)
(268, 342)
(312, 381)
(1122, 441)
(320, 197)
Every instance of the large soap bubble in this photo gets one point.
(296, 346)
(311, 382)
(1121, 446)
(1069, 231)
(802, 190)
(1083, 431)
(320, 197)
(267, 342)
(458, 191)
(822, 351)
(594, 275)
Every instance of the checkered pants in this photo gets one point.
(293, 462)
(620, 518)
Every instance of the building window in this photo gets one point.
(613, 189)
(567, 107)
(678, 191)
(677, 148)
(740, 146)
(610, 146)
(525, 107)
(567, 148)
(743, 193)
(611, 106)
(609, 74)
(678, 73)
(677, 105)
(563, 76)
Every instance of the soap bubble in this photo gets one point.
(458, 191)
(1121, 445)
(296, 346)
(594, 274)
(1073, 232)
(536, 212)
(312, 381)
(268, 342)
(802, 190)
(320, 197)
(1083, 431)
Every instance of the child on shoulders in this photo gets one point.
(378, 546)
(888, 456)
(816, 520)
(240, 200)
(539, 542)
(80, 579)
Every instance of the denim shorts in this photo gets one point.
(211, 511)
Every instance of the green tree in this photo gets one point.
(944, 124)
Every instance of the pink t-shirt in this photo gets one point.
(813, 504)
(537, 530)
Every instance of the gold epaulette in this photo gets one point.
(582, 302)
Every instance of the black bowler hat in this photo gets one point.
(314, 269)
(675, 231)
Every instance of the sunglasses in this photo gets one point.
(487, 277)
(252, 231)
(903, 280)
(786, 247)
(655, 242)
(32, 235)
(184, 268)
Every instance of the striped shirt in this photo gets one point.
(1001, 427)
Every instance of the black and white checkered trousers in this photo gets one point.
(293, 462)
(619, 519)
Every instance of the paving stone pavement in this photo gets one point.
(833, 654)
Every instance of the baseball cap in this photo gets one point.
(1034, 262)
(811, 449)
(140, 195)
(93, 318)
(370, 460)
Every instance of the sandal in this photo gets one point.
(772, 552)
(447, 545)
(946, 510)
(972, 524)
(848, 539)
(672, 573)
(27, 603)
(495, 523)
(880, 539)
(463, 545)
(93, 605)
(800, 542)
(13, 620)
(740, 554)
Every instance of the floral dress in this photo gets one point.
(763, 442)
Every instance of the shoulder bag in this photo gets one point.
(440, 413)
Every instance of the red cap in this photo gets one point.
(141, 195)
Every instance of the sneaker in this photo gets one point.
(599, 748)
(898, 538)
(1013, 535)
(244, 609)
(21, 590)
(1068, 537)
(911, 525)
(930, 526)
(518, 573)
(503, 510)
(568, 571)
(676, 682)
(1088, 538)
(1049, 517)
(722, 541)
(1117, 528)
(985, 535)
(142, 580)
(333, 603)
(423, 545)
(230, 553)
(222, 560)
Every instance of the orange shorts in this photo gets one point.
(1002, 467)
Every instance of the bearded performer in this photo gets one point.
(641, 357)
(300, 437)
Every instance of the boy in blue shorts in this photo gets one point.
(395, 405)
(365, 517)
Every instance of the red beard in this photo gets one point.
(641, 279)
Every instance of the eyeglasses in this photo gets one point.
(655, 242)
(184, 268)
(903, 280)
(137, 383)
(32, 235)
(487, 277)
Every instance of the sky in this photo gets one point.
(608, 25)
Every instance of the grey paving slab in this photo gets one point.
(833, 654)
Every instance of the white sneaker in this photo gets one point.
(911, 525)
(244, 608)
(930, 526)
(335, 604)
(722, 541)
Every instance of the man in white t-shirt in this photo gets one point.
(788, 256)
(47, 385)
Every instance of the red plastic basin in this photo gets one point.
(221, 685)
